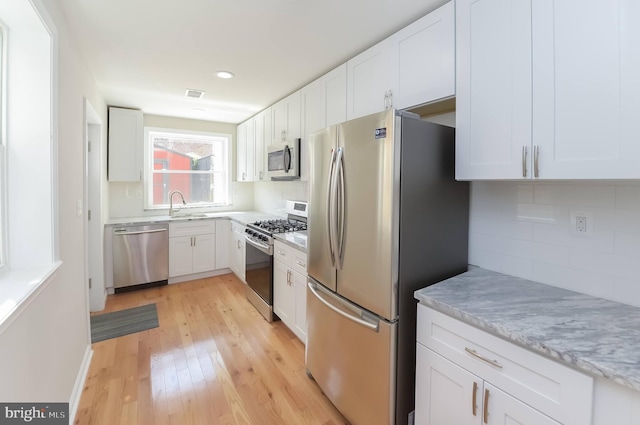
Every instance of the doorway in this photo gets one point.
(93, 210)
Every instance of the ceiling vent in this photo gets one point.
(194, 94)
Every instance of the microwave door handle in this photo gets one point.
(287, 159)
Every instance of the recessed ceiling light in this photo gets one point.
(224, 74)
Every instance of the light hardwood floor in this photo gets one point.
(212, 360)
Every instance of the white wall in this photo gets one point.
(127, 200)
(523, 229)
(270, 197)
(44, 350)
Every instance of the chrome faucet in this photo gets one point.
(173, 192)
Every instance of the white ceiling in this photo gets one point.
(145, 53)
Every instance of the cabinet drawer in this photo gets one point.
(550, 387)
(190, 228)
(237, 227)
(282, 253)
(298, 261)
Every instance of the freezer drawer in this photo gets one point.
(351, 355)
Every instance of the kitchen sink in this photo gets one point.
(188, 216)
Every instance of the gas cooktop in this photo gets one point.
(261, 232)
(280, 225)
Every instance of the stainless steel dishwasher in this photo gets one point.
(140, 256)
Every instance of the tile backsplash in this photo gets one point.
(525, 229)
(270, 197)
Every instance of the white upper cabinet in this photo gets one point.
(493, 93)
(324, 103)
(369, 81)
(580, 60)
(245, 152)
(414, 66)
(250, 150)
(126, 140)
(262, 139)
(586, 82)
(241, 152)
(286, 119)
(335, 96)
(423, 59)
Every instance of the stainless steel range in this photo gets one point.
(259, 255)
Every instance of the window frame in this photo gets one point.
(149, 166)
(3, 138)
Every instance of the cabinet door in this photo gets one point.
(242, 258)
(126, 140)
(286, 118)
(586, 64)
(237, 255)
(502, 409)
(241, 152)
(223, 242)
(180, 256)
(445, 393)
(369, 81)
(423, 57)
(282, 293)
(204, 253)
(493, 89)
(323, 103)
(262, 132)
(250, 150)
(299, 283)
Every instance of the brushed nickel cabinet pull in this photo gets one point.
(474, 408)
(536, 151)
(485, 413)
(524, 161)
(484, 359)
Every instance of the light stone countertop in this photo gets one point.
(598, 336)
(297, 240)
(242, 217)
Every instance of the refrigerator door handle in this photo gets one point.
(365, 323)
(340, 228)
(330, 234)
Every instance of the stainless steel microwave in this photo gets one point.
(283, 161)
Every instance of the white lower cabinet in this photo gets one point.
(237, 254)
(223, 241)
(192, 247)
(467, 376)
(289, 288)
(448, 394)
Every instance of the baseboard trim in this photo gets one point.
(187, 277)
(78, 386)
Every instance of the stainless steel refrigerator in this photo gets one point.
(386, 217)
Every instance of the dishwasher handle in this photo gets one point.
(124, 232)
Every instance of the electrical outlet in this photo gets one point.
(581, 223)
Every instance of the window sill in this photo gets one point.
(18, 288)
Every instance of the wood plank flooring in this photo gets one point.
(212, 360)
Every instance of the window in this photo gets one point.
(196, 164)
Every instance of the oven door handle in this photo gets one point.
(262, 248)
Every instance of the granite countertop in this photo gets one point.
(297, 240)
(242, 217)
(598, 336)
